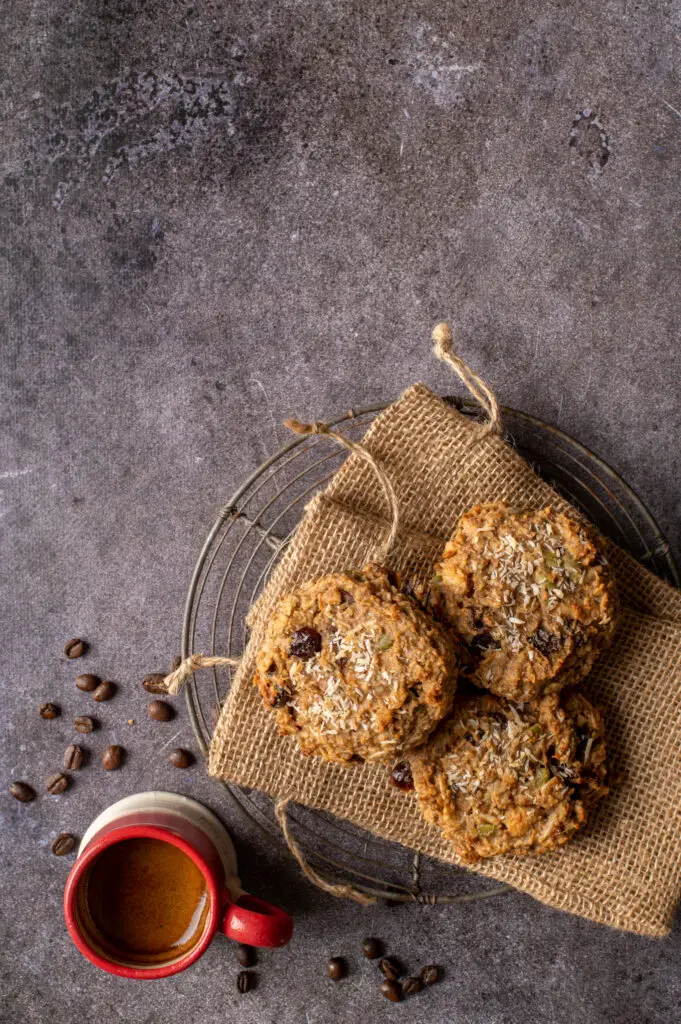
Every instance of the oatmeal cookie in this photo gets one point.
(499, 777)
(531, 597)
(354, 669)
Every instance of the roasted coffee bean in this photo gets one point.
(73, 757)
(177, 661)
(401, 776)
(430, 974)
(545, 642)
(154, 683)
(336, 968)
(48, 710)
(63, 844)
(410, 986)
(104, 691)
(305, 643)
(392, 990)
(22, 792)
(245, 981)
(87, 682)
(57, 783)
(372, 949)
(180, 758)
(75, 648)
(245, 955)
(83, 724)
(112, 757)
(160, 711)
(390, 968)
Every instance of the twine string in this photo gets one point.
(352, 446)
(443, 348)
(333, 888)
(172, 683)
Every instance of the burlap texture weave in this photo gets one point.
(625, 868)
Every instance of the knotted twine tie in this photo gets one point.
(443, 349)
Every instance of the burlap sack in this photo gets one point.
(624, 869)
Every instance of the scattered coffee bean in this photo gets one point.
(177, 661)
(245, 955)
(87, 682)
(48, 710)
(180, 758)
(160, 711)
(372, 949)
(104, 691)
(410, 986)
(391, 990)
(112, 757)
(401, 776)
(83, 724)
(430, 974)
(389, 968)
(336, 968)
(305, 643)
(245, 981)
(63, 844)
(154, 683)
(57, 783)
(75, 648)
(73, 757)
(22, 792)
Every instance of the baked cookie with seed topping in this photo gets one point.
(499, 777)
(354, 669)
(531, 597)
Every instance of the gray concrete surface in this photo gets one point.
(215, 215)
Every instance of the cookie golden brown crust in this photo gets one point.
(354, 669)
(499, 778)
(531, 597)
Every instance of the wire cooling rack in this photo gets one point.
(244, 545)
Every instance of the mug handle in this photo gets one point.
(256, 922)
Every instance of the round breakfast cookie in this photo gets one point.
(355, 670)
(531, 597)
(499, 777)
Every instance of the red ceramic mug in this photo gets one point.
(191, 828)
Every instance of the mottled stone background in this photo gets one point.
(214, 215)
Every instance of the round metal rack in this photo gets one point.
(249, 536)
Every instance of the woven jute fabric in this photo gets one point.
(624, 869)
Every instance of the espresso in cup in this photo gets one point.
(143, 902)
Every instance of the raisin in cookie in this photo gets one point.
(531, 597)
(354, 669)
(499, 777)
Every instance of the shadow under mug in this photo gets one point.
(195, 831)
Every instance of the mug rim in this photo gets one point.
(116, 835)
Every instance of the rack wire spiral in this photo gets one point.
(250, 535)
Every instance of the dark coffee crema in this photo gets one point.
(143, 902)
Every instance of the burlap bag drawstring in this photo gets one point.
(443, 349)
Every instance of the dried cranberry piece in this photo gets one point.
(401, 776)
(545, 642)
(346, 596)
(305, 643)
